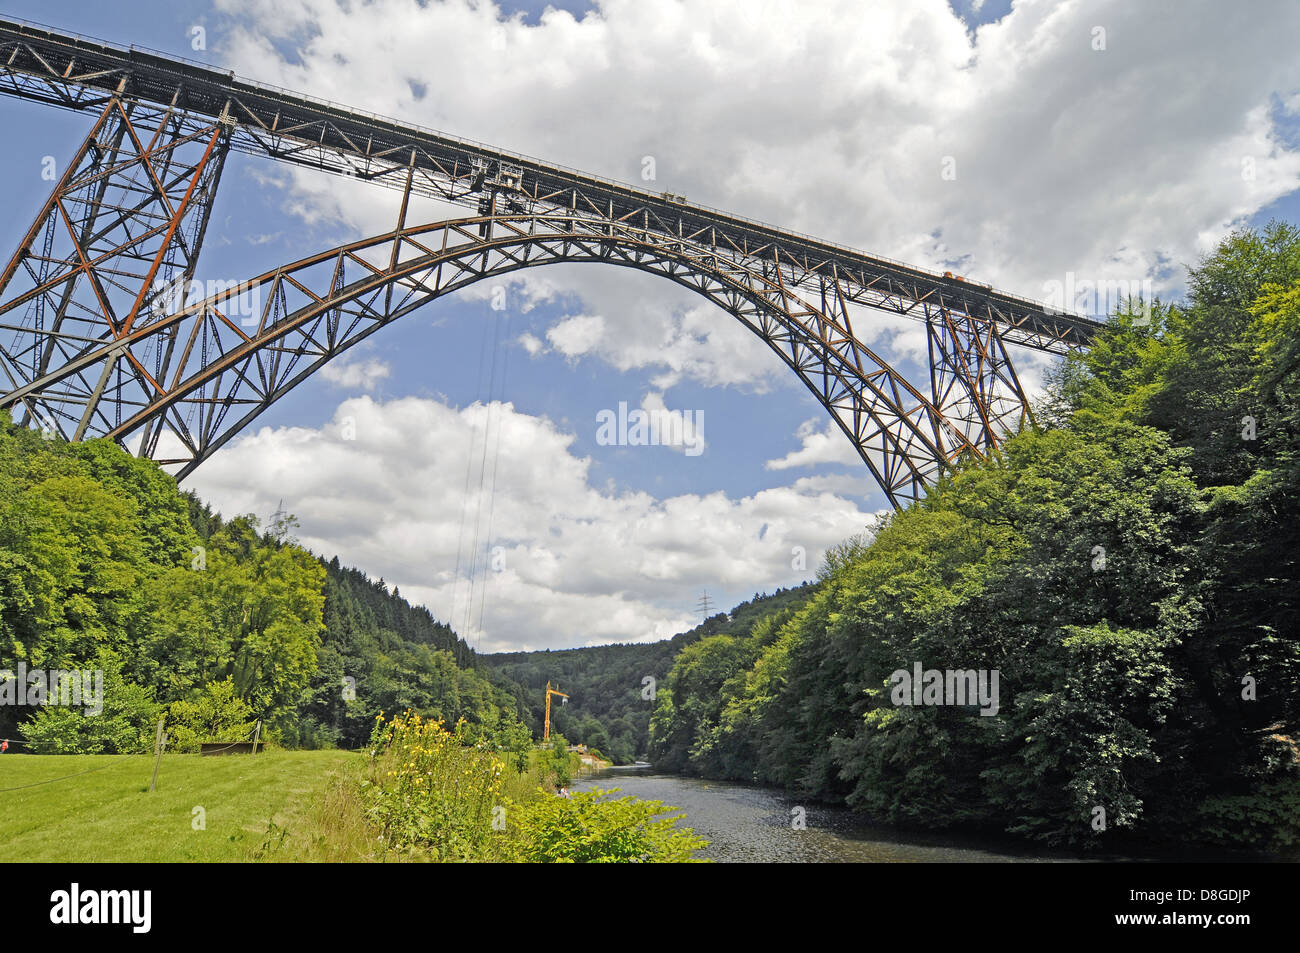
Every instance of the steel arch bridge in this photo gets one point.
(99, 337)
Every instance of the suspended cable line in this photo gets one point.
(464, 505)
(492, 492)
(482, 474)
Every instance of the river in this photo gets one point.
(746, 824)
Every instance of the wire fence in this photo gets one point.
(126, 759)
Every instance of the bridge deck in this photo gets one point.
(76, 72)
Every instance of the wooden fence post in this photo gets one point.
(256, 735)
(157, 754)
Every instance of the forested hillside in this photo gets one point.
(105, 566)
(610, 697)
(1129, 567)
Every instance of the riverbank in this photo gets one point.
(292, 806)
(425, 799)
(752, 824)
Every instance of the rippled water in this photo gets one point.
(752, 824)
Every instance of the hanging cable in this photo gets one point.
(482, 473)
(492, 492)
(464, 505)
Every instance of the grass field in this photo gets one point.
(110, 814)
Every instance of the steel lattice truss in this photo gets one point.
(99, 337)
(126, 217)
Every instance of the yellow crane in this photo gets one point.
(546, 728)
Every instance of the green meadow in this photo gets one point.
(279, 805)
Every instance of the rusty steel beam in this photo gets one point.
(311, 311)
(76, 72)
(128, 213)
(90, 347)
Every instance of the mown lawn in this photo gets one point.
(110, 814)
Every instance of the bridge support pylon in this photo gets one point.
(973, 384)
(113, 248)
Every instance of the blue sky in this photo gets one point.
(438, 352)
(1067, 174)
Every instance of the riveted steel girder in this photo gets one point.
(229, 368)
(124, 220)
(94, 341)
(75, 72)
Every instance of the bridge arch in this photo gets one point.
(220, 375)
(83, 353)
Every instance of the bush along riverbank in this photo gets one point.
(430, 795)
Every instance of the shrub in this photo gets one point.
(217, 714)
(432, 795)
(1268, 820)
(126, 725)
(595, 827)
(428, 792)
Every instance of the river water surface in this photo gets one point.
(753, 824)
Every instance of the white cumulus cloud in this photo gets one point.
(835, 118)
(404, 489)
(822, 442)
(363, 375)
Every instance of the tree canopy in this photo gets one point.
(1128, 566)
